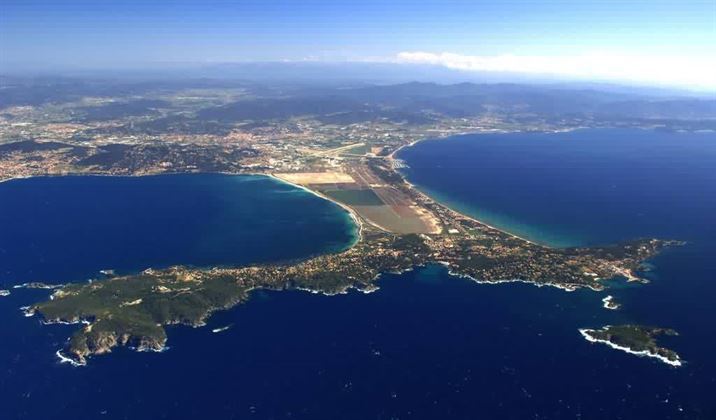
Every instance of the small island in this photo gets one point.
(609, 303)
(634, 339)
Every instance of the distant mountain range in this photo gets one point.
(330, 101)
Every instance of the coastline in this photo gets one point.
(356, 219)
(505, 281)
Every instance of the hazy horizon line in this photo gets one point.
(503, 69)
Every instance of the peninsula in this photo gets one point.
(336, 142)
(400, 228)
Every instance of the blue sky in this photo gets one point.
(104, 33)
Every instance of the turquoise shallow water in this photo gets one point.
(426, 345)
(582, 187)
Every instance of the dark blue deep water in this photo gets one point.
(426, 345)
(65, 229)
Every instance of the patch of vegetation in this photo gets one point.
(636, 338)
(364, 197)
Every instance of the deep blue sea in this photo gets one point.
(68, 229)
(426, 345)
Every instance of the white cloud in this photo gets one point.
(697, 72)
